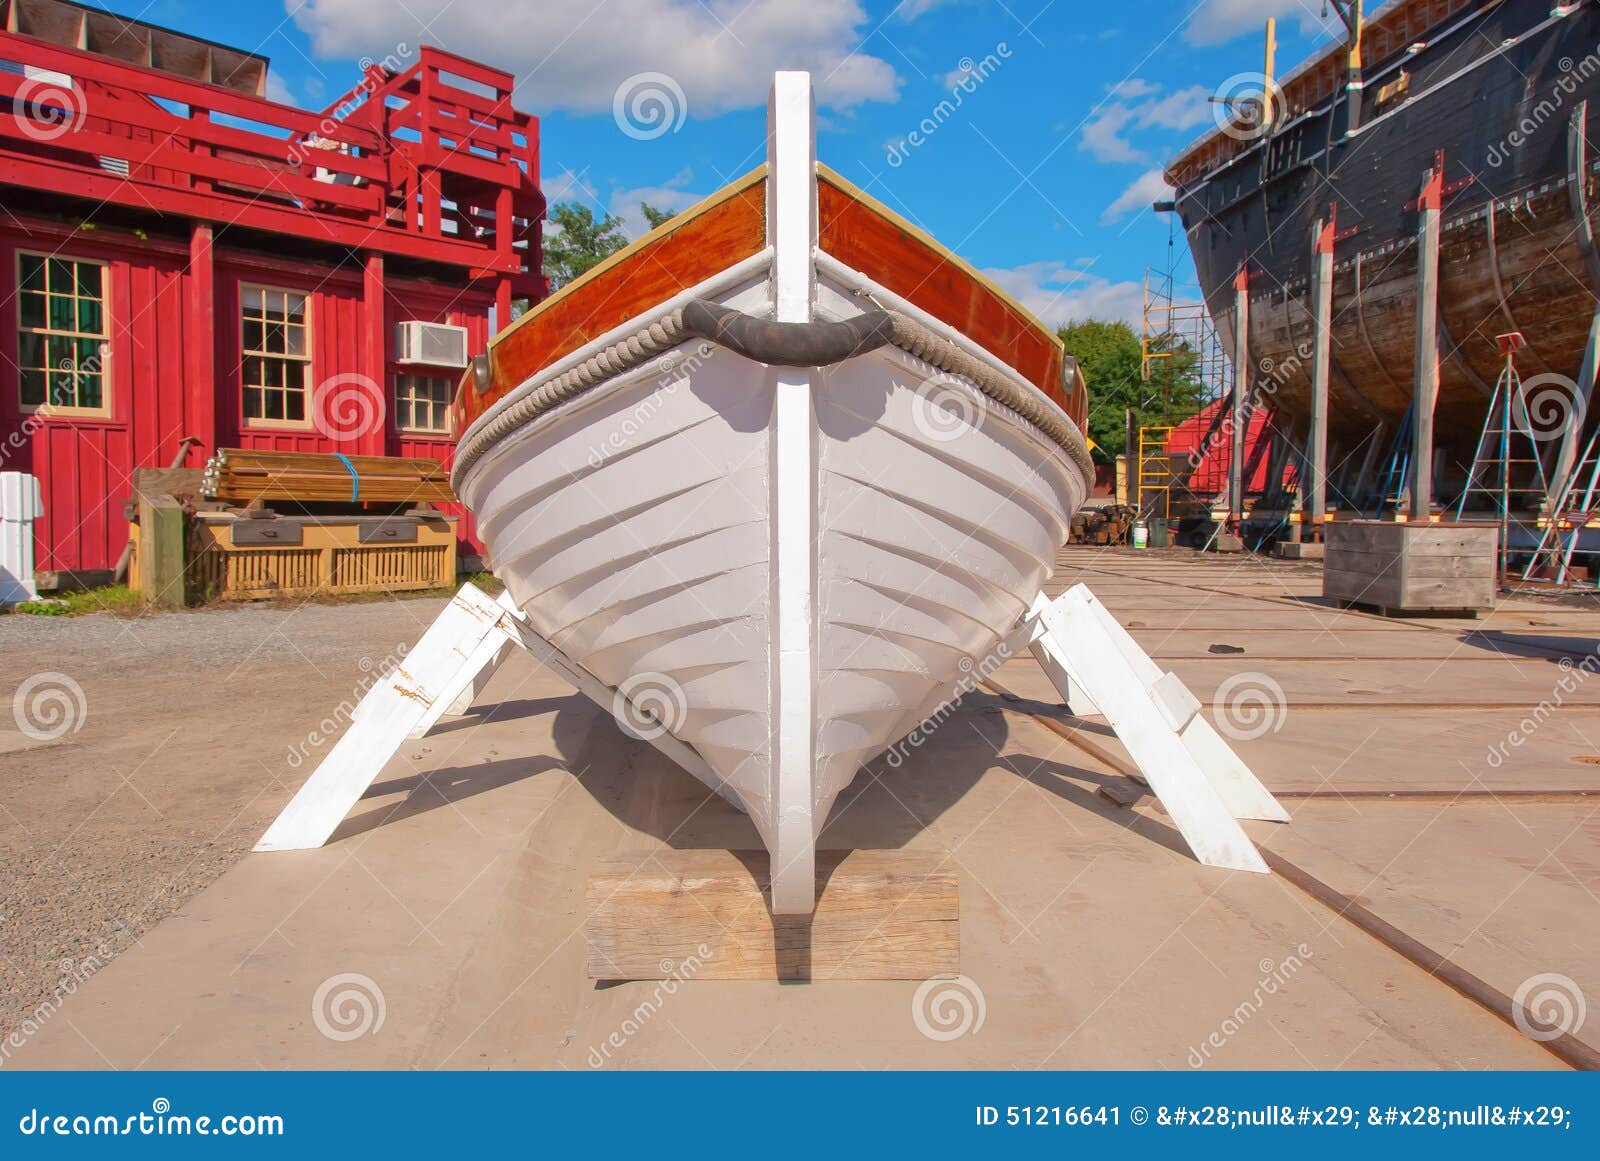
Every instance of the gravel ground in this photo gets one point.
(176, 759)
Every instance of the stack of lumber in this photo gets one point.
(241, 476)
(1108, 525)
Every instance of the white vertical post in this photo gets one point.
(1426, 378)
(1241, 382)
(1322, 305)
(792, 232)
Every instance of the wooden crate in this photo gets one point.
(232, 557)
(1400, 568)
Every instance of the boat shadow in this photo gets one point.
(902, 799)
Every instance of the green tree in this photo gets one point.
(1110, 355)
(580, 241)
(654, 216)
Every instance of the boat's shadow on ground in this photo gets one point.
(924, 792)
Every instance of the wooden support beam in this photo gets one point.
(1241, 381)
(1426, 375)
(200, 346)
(881, 915)
(1316, 490)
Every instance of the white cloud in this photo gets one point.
(1184, 109)
(575, 54)
(673, 195)
(1058, 293)
(1219, 21)
(1102, 136)
(278, 89)
(1148, 187)
(1139, 104)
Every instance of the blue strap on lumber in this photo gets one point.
(355, 477)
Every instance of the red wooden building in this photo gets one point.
(182, 257)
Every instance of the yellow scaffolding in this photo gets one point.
(1153, 477)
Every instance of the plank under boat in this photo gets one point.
(784, 474)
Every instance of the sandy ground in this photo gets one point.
(443, 925)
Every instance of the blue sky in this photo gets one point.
(1042, 175)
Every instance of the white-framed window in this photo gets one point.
(275, 345)
(62, 335)
(422, 403)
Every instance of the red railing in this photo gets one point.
(430, 161)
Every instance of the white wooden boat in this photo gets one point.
(783, 474)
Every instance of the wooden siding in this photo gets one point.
(85, 465)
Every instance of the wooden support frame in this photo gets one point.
(1316, 493)
(1097, 667)
(438, 676)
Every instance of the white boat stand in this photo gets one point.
(1094, 663)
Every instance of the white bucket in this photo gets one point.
(1141, 534)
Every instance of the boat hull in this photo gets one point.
(786, 513)
(637, 528)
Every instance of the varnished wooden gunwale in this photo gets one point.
(866, 236)
(724, 229)
(730, 226)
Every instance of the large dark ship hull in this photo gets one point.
(1501, 89)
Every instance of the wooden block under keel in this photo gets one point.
(881, 915)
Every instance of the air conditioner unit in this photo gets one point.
(433, 344)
